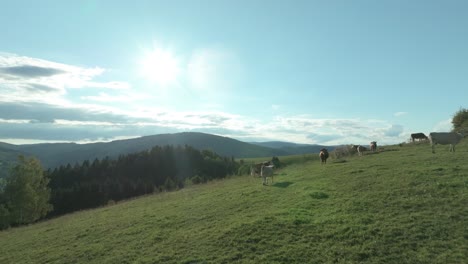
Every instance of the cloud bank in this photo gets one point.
(28, 79)
(34, 107)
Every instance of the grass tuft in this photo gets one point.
(319, 195)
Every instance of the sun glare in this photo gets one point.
(160, 66)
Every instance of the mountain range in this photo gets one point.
(53, 155)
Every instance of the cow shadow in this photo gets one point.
(282, 184)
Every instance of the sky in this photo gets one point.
(315, 72)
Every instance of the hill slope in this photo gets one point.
(56, 154)
(403, 205)
(293, 148)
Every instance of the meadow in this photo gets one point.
(400, 205)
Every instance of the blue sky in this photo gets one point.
(317, 72)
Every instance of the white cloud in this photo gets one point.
(92, 123)
(108, 85)
(394, 131)
(400, 113)
(85, 123)
(30, 79)
(303, 129)
(121, 97)
(14, 121)
(443, 126)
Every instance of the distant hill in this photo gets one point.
(55, 154)
(8, 158)
(293, 148)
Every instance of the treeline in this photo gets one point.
(30, 193)
(97, 183)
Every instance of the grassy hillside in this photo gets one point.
(293, 148)
(402, 205)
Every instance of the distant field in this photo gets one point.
(285, 160)
(402, 205)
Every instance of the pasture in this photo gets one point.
(401, 205)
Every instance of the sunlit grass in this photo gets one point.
(402, 205)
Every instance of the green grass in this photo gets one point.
(402, 205)
(285, 160)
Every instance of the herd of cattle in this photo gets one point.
(442, 138)
(360, 149)
(265, 169)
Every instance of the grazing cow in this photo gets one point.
(445, 138)
(267, 173)
(323, 155)
(360, 149)
(373, 146)
(418, 136)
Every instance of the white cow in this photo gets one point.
(267, 172)
(445, 138)
(255, 169)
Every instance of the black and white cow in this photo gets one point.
(360, 149)
(418, 136)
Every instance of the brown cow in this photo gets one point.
(323, 155)
(373, 146)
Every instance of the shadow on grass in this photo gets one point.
(282, 184)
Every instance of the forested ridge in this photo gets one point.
(53, 155)
(99, 182)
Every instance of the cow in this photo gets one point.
(323, 155)
(373, 146)
(445, 138)
(267, 173)
(418, 136)
(255, 169)
(360, 149)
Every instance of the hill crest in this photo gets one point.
(55, 154)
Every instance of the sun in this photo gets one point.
(160, 66)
